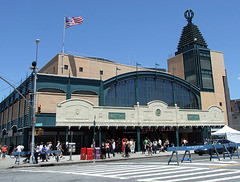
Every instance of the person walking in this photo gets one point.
(36, 150)
(0, 149)
(145, 144)
(107, 145)
(19, 149)
(4, 151)
(113, 147)
(119, 145)
(44, 153)
(155, 146)
(160, 145)
(103, 150)
(132, 146)
(149, 147)
(11, 147)
(59, 147)
(166, 144)
(127, 148)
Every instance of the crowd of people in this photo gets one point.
(109, 147)
(153, 146)
(40, 151)
(123, 147)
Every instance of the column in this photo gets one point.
(138, 139)
(100, 136)
(66, 133)
(177, 137)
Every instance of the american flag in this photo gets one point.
(70, 21)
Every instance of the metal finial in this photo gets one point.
(189, 14)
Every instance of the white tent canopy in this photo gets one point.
(231, 134)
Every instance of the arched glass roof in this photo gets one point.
(145, 86)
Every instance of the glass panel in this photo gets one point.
(150, 89)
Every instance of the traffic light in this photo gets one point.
(39, 109)
(34, 64)
(39, 132)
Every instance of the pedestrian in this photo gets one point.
(145, 144)
(143, 147)
(149, 147)
(59, 147)
(4, 151)
(0, 149)
(132, 146)
(155, 146)
(184, 142)
(107, 145)
(20, 148)
(11, 147)
(160, 145)
(36, 150)
(40, 148)
(119, 146)
(103, 150)
(127, 148)
(123, 146)
(113, 147)
(166, 144)
(44, 153)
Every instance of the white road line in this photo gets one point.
(142, 171)
(198, 177)
(165, 172)
(121, 169)
(209, 164)
(64, 172)
(173, 177)
(223, 179)
(208, 176)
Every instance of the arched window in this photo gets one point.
(84, 92)
(52, 90)
(146, 89)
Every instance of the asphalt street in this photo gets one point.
(145, 169)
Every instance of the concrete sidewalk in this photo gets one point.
(10, 162)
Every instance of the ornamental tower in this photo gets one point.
(196, 56)
(202, 67)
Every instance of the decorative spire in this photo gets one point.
(189, 14)
(190, 34)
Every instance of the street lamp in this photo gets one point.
(34, 68)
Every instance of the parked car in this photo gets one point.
(219, 150)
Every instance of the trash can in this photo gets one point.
(83, 153)
(89, 153)
(98, 153)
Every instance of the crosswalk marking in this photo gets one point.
(205, 176)
(149, 172)
(183, 174)
(145, 172)
(162, 174)
(223, 179)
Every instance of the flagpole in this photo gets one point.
(64, 28)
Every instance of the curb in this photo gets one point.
(83, 162)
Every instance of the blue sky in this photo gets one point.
(127, 31)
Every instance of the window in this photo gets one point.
(101, 72)
(66, 67)
(220, 103)
(146, 89)
(81, 69)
